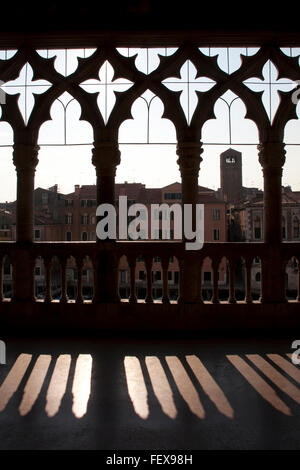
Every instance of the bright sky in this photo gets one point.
(152, 160)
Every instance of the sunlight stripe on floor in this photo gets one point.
(161, 386)
(285, 365)
(58, 384)
(210, 386)
(278, 379)
(259, 384)
(81, 388)
(13, 379)
(185, 386)
(34, 383)
(136, 386)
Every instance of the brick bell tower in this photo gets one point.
(231, 175)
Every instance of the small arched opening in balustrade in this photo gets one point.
(256, 279)
(124, 278)
(40, 278)
(207, 276)
(56, 279)
(88, 279)
(157, 279)
(141, 278)
(240, 279)
(174, 278)
(71, 278)
(7, 284)
(292, 279)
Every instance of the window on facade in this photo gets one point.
(83, 203)
(216, 234)
(170, 276)
(157, 276)
(142, 275)
(207, 276)
(68, 202)
(84, 236)
(216, 214)
(257, 277)
(68, 236)
(37, 234)
(93, 236)
(68, 219)
(156, 259)
(172, 195)
(296, 228)
(230, 160)
(257, 228)
(84, 219)
(283, 228)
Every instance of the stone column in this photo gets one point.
(165, 267)
(272, 158)
(25, 160)
(248, 266)
(132, 266)
(215, 267)
(189, 163)
(1, 278)
(106, 157)
(79, 297)
(48, 268)
(148, 266)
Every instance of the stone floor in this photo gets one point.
(132, 394)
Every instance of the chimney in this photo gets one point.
(77, 189)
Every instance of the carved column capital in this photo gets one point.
(25, 156)
(271, 155)
(106, 157)
(189, 157)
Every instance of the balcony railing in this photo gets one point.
(247, 253)
(184, 313)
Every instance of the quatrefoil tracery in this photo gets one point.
(175, 76)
